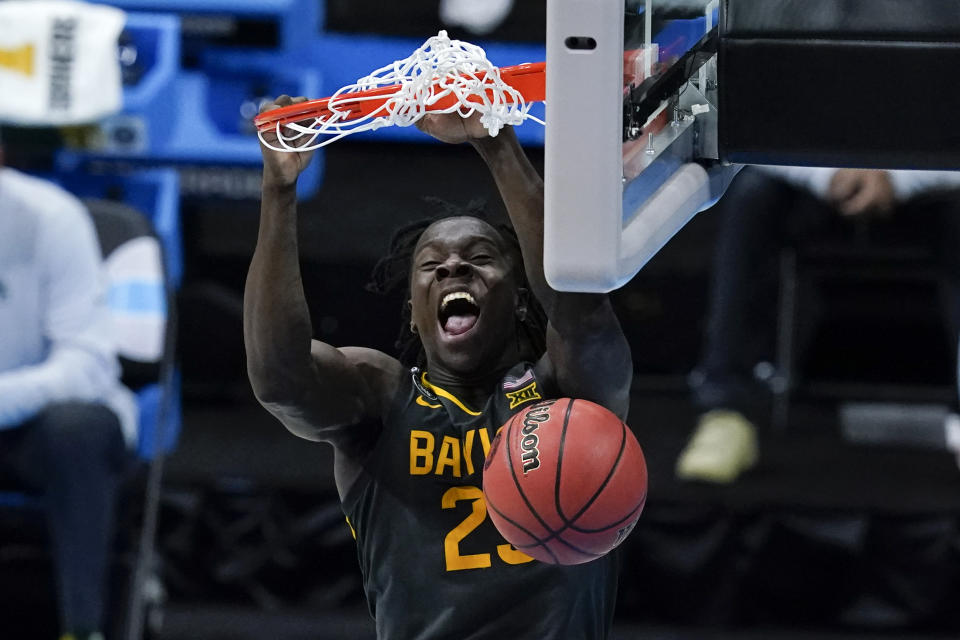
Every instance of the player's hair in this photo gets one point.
(393, 270)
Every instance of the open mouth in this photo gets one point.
(458, 313)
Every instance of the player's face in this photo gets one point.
(463, 295)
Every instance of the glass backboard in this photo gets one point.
(631, 133)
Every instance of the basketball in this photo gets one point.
(565, 481)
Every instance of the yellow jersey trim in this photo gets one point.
(424, 403)
(443, 393)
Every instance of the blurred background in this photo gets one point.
(848, 526)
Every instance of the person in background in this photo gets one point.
(65, 418)
(765, 209)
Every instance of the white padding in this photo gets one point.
(139, 258)
(596, 237)
(137, 299)
(660, 217)
(583, 166)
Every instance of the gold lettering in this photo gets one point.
(451, 544)
(421, 455)
(511, 555)
(449, 456)
(468, 450)
(485, 441)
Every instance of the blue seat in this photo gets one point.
(141, 301)
(156, 195)
(149, 207)
(141, 240)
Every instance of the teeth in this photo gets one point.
(459, 295)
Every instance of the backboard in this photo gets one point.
(631, 146)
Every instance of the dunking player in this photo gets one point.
(409, 445)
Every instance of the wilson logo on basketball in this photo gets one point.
(529, 440)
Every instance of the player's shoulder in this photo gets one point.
(382, 373)
(373, 360)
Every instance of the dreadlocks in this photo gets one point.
(393, 271)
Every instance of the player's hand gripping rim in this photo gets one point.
(282, 168)
(453, 128)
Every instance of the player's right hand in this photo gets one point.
(282, 168)
(453, 128)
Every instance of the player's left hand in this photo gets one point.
(282, 168)
(452, 128)
(858, 192)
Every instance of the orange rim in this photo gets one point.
(528, 79)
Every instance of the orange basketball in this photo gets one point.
(565, 481)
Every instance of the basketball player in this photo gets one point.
(410, 445)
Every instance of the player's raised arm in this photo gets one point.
(587, 353)
(316, 390)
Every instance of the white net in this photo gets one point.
(439, 70)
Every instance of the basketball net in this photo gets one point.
(439, 70)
